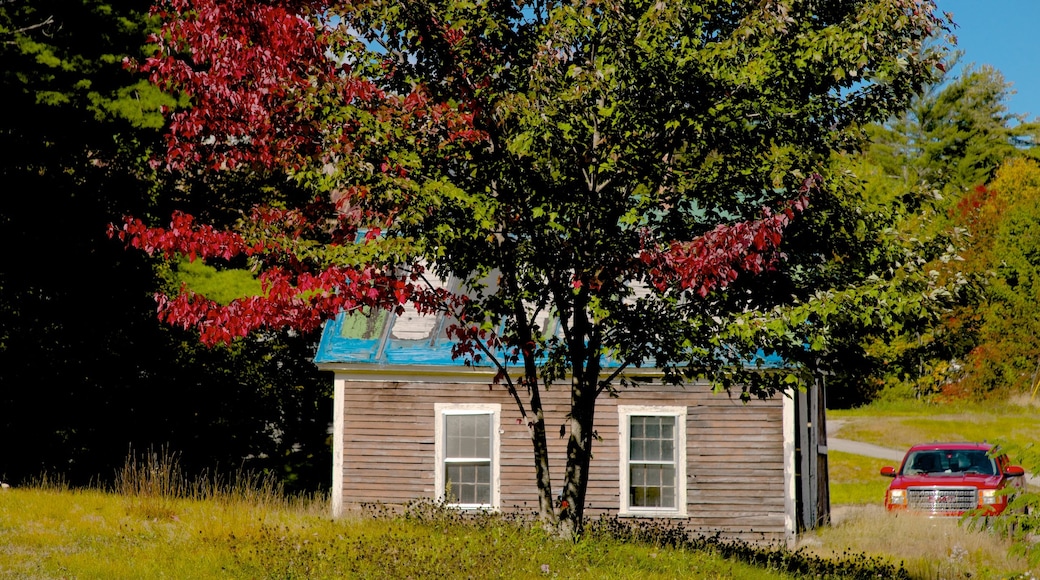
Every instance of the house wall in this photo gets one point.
(735, 451)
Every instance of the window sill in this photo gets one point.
(661, 515)
(472, 507)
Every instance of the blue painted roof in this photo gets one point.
(410, 339)
(385, 339)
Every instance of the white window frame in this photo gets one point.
(441, 410)
(625, 413)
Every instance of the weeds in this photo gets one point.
(1020, 522)
(162, 524)
(91, 534)
(800, 563)
(928, 548)
(54, 482)
(154, 483)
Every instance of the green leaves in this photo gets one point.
(521, 144)
(222, 286)
(651, 174)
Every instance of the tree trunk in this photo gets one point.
(546, 513)
(579, 455)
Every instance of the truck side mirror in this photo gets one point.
(1014, 471)
(888, 471)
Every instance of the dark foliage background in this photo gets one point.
(87, 373)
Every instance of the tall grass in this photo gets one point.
(157, 523)
(928, 548)
(153, 483)
(89, 533)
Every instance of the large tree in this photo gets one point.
(618, 166)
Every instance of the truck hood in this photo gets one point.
(946, 479)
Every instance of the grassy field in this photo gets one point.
(855, 479)
(154, 525)
(91, 534)
(898, 426)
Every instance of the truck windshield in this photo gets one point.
(940, 461)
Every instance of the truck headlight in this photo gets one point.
(897, 496)
(989, 497)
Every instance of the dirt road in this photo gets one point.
(857, 447)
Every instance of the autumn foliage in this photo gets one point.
(550, 157)
(250, 70)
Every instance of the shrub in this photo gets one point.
(1021, 520)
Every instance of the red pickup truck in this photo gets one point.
(950, 479)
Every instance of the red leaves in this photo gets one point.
(244, 64)
(301, 302)
(299, 298)
(715, 259)
(257, 73)
(281, 228)
(453, 36)
(182, 237)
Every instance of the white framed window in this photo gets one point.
(653, 460)
(467, 447)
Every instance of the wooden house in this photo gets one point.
(412, 423)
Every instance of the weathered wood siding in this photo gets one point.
(735, 473)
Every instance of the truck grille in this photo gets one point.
(942, 499)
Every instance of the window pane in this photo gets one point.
(451, 436)
(668, 486)
(467, 484)
(638, 496)
(653, 427)
(637, 427)
(468, 436)
(467, 458)
(651, 438)
(481, 425)
(652, 471)
(638, 476)
(653, 450)
(653, 476)
(467, 446)
(652, 486)
(482, 489)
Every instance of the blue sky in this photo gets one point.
(1006, 35)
